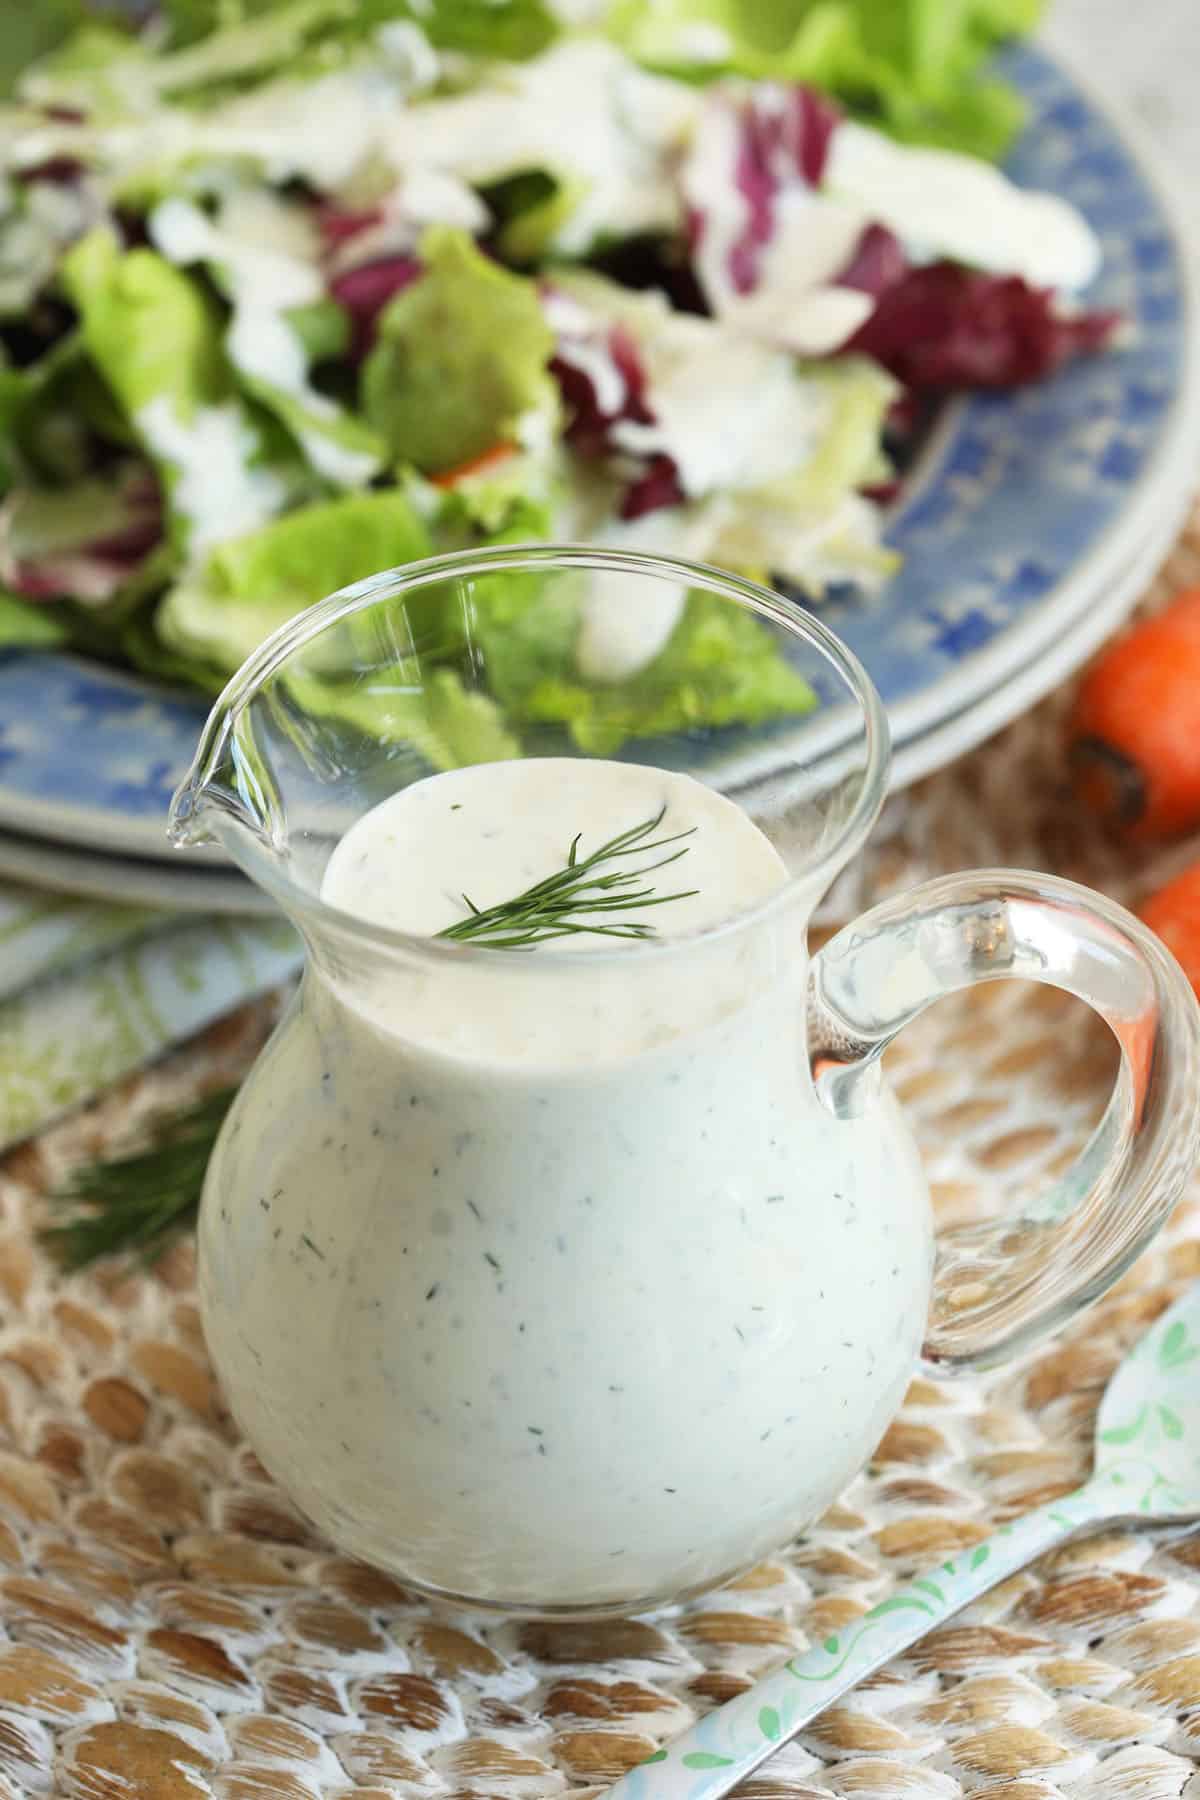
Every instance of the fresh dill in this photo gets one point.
(137, 1202)
(576, 899)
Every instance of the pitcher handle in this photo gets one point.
(1000, 1284)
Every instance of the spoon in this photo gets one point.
(1147, 1469)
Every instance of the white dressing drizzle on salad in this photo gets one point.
(936, 202)
(794, 303)
(621, 632)
(730, 412)
(216, 485)
(940, 203)
(421, 197)
(266, 257)
(797, 305)
(582, 111)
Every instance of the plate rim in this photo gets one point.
(49, 866)
(930, 751)
(988, 669)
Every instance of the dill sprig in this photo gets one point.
(575, 899)
(137, 1202)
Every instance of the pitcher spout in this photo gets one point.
(220, 791)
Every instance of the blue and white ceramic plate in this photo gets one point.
(1026, 509)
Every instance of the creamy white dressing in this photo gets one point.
(796, 303)
(215, 486)
(265, 252)
(941, 203)
(732, 412)
(262, 248)
(420, 198)
(493, 829)
(583, 112)
(551, 1282)
(621, 629)
(321, 130)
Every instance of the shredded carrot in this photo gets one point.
(475, 465)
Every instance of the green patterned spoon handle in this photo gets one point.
(732, 1741)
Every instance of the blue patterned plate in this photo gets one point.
(1026, 508)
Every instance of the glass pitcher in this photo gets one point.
(543, 1327)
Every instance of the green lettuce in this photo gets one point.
(911, 66)
(187, 20)
(266, 345)
(33, 31)
(719, 666)
(445, 723)
(249, 586)
(389, 677)
(322, 327)
(218, 47)
(14, 394)
(813, 527)
(151, 330)
(508, 30)
(25, 626)
(460, 365)
(107, 72)
(154, 335)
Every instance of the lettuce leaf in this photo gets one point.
(32, 31)
(154, 335)
(24, 626)
(718, 667)
(507, 30)
(151, 331)
(460, 365)
(248, 586)
(187, 20)
(217, 47)
(446, 724)
(265, 281)
(912, 66)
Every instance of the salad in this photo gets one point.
(292, 291)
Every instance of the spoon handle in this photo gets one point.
(732, 1741)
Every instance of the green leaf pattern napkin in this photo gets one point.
(90, 992)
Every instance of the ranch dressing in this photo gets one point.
(547, 1279)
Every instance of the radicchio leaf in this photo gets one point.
(877, 264)
(943, 327)
(658, 486)
(603, 384)
(82, 543)
(366, 290)
(779, 137)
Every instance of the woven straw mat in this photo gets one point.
(171, 1629)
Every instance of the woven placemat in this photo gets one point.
(172, 1629)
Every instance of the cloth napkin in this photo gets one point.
(89, 992)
